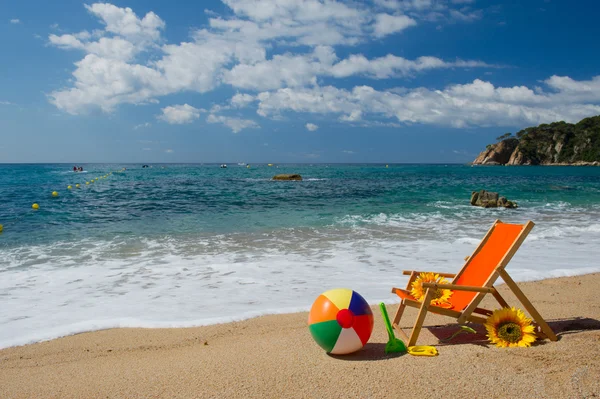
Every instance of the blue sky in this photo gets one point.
(288, 81)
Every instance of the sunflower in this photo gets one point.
(509, 327)
(440, 296)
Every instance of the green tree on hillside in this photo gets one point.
(504, 136)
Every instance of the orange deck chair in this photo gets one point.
(473, 282)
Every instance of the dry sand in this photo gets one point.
(275, 357)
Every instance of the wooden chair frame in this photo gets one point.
(471, 313)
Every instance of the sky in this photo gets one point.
(297, 81)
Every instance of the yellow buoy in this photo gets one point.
(270, 164)
(35, 206)
(87, 182)
(55, 193)
(77, 185)
(69, 187)
(1, 228)
(387, 166)
(248, 166)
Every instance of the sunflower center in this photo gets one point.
(438, 293)
(510, 332)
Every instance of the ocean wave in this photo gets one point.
(51, 290)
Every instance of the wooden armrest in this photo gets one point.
(458, 287)
(409, 272)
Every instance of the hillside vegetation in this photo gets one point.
(547, 144)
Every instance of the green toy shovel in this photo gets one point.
(394, 344)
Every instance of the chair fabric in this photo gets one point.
(481, 266)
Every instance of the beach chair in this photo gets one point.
(473, 282)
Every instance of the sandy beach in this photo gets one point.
(275, 356)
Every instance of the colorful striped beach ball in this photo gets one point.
(340, 321)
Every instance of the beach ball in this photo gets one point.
(340, 321)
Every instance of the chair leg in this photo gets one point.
(399, 313)
(421, 317)
(529, 306)
(539, 320)
(396, 321)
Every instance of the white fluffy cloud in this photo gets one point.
(391, 66)
(111, 48)
(293, 70)
(15, 21)
(128, 35)
(311, 127)
(475, 104)
(241, 100)
(180, 114)
(125, 23)
(386, 24)
(106, 83)
(300, 10)
(434, 10)
(235, 124)
(282, 70)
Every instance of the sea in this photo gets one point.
(182, 245)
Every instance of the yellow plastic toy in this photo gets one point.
(422, 350)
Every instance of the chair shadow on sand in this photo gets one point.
(376, 351)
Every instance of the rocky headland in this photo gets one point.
(557, 143)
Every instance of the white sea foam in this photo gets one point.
(64, 288)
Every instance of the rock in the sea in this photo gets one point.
(287, 177)
(489, 199)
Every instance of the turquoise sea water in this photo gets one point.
(177, 245)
